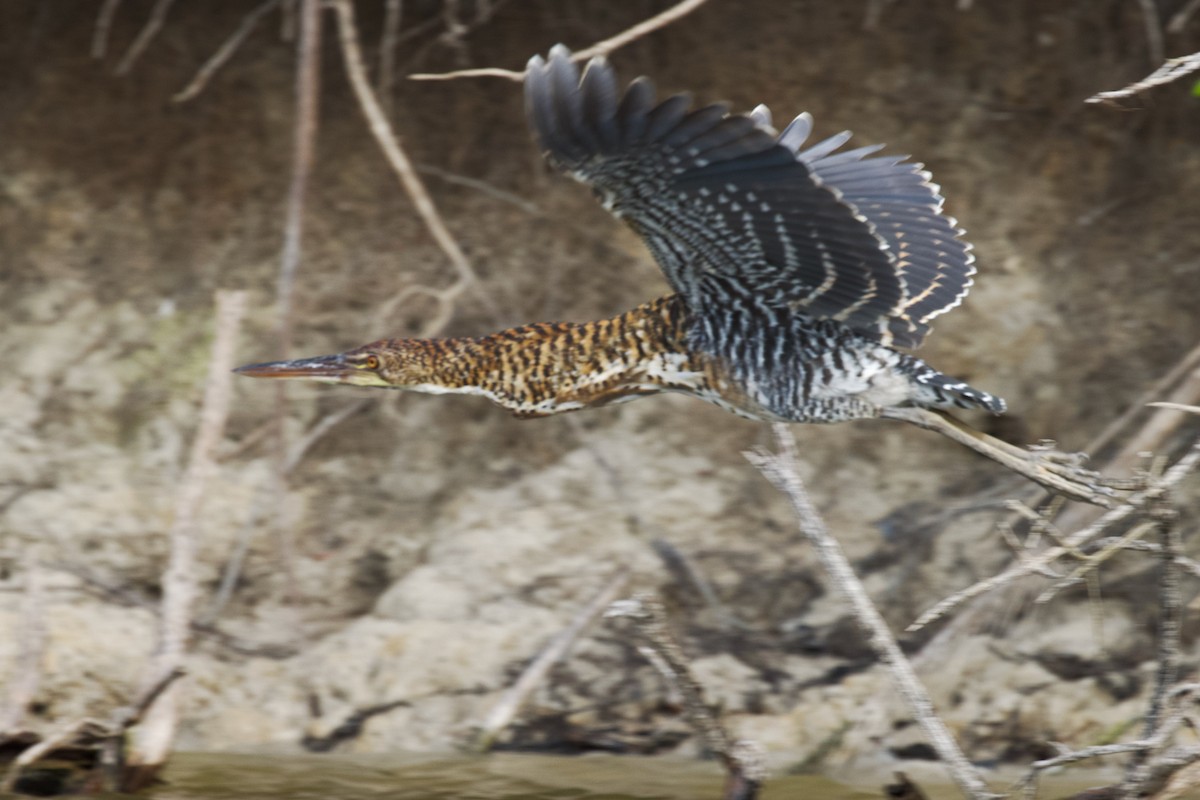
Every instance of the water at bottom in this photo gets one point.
(214, 776)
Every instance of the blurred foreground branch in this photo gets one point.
(503, 712)
(601, 48)
(781, 470)
(387, 140)
(742, 760)
(1171, 70)
(153, 739)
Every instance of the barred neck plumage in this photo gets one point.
(551, 367)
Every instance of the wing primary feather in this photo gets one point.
(730, 210)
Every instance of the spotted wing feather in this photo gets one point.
(730, 213)
(905, 208)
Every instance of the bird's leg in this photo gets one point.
(1049, 468)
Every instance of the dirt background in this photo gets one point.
(433, 545)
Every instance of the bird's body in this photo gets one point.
(787, 368)
(795, 271)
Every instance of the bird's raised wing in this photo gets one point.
(737, 217)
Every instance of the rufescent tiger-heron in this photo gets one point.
(797, 270)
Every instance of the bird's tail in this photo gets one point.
(938, 390)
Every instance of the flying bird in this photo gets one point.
(797, 271)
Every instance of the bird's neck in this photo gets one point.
(552, 367)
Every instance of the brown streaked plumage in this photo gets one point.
(539, 369)
(796, 271)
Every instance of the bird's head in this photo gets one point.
(388, 363)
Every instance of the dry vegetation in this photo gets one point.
(394, 563)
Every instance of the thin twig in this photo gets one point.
(1185, 366)
(1171, 70)
(225, 52)
(1075, 517)
(308, 71)
(1129, 506)
(598, 49)
(1173, 701)
(742, 760)
(64, 735)
(512, 700)
(781, 470)
(381, 129)
(103, 25)
(1154, 34)
(393, 12)
(481, 186)
(1180, 20)
(158, 15)
(155, 736)
(1170, 611)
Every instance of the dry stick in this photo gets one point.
(31, 755)
(1154, 34)
(1180, 20)
(1171, 724)
(158, 15)
(152, 741)
(1171, 70)
(227, 640)
(393, 11)
(512, 700)
(598, 49)
(781, 470)
(386, 137)
(1187, 365)
(1170, 623)
(31, 644)
(1075, 517)
(103, 26)
(741, 760)
(308, 75)
(224, 53)
(1131, 504)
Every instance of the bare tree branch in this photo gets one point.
(742, 760)
(781, 470)
(512, 700)
(225, 52)
(393, 12)
(154, 737)
(598, 49)
(1180, 20)
(158, 15)
(381, 129)
(103, 26)
(1129, 506)
(308, 72)
(1173, 69)
(1154, 34)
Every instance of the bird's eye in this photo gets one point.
(372, 362)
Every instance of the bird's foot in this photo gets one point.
(1059, 472)
(1064, 473)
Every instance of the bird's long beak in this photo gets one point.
(328, 369)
